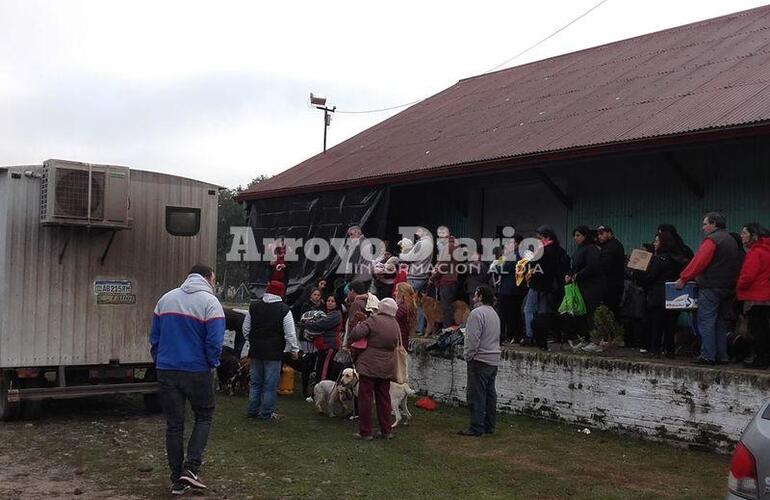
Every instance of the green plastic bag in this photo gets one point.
(573, 303)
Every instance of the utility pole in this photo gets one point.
(319, 102)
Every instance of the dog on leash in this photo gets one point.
(337, 399)
(399, 395)
(333, 399)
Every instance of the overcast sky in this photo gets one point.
(218, 91)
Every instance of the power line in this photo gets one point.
(581, 16)
(380, 109)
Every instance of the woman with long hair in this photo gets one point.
(314, 302)
(753, 289)
(666, 264)
(406, 315)
(510, 293)
(328, 342)
(586, 271)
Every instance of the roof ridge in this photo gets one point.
(682, 27)
(712, 74)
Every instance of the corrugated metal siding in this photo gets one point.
(52, 317)
(634, 196)
(3, 261)
(431, 205)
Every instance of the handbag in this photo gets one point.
(342, 356)
(402, 367)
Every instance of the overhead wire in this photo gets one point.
(507, 61)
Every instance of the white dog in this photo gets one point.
(399, 395)
(332, 399)
(399, 399)
(337, 399)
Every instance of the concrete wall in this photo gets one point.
(700, 407)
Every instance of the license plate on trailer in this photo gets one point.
(112, 286)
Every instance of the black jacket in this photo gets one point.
(613, 259)
(548, 272)
(587, 272)
(663, 267)
(477, 275)
(266, 338)
(508, 284)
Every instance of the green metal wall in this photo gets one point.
(431, 205)
(634, 195)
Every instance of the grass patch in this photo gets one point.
(307, 455)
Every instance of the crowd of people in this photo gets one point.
(365, 315)
(734, 293)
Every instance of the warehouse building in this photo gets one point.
(657, 128)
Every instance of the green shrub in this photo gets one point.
(606, 330)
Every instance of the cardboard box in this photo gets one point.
(639, 260)
(685, 299)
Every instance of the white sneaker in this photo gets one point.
(642, 351)
(309, 399)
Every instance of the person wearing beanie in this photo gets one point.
(376, 367)
(269, 326)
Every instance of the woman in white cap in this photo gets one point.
(376, 366)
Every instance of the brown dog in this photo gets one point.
(432, 310)
(433, 314)
(461, 312)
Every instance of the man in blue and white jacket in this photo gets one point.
(188, 328)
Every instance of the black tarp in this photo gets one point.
(323, 215)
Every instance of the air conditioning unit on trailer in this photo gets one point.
(83, 194)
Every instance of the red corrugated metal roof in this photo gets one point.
(705, 75)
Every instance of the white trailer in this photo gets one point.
(85, 252)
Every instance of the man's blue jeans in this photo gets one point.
(263, 387)
(712, 324)
(418, 284)
(534, 303)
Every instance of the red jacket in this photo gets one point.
(754, 280)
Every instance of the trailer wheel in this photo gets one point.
(8, 411)
(151, 401)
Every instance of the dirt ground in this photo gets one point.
(43, 460)
(23, 478)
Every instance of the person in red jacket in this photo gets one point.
(753, 288)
